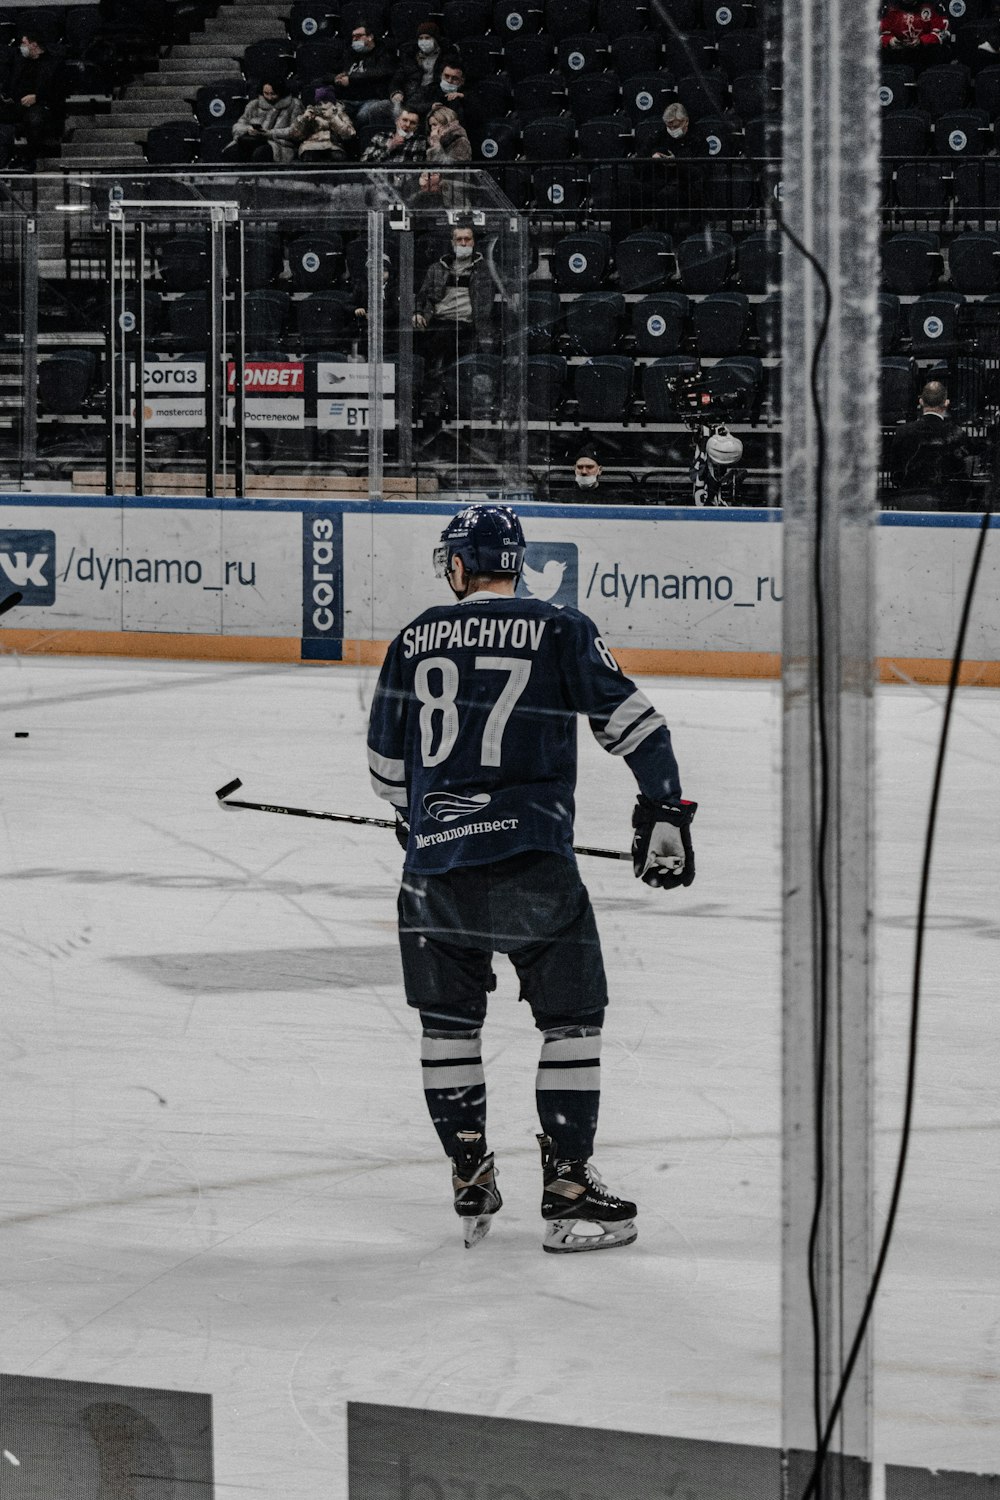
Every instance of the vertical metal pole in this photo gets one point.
(29, 350)
(239, 362)
(404, 365)
(514, 350)
(123, 342)
(111, 355)
(213, 374)
(376, 351)
(140, 368)
(830, 203)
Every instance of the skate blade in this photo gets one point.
(475, 1230)
(573, 1236)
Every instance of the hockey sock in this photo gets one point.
(454, 1083)
(568, 1089)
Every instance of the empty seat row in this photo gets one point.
(913, 262)
(924, 187)
(939, 323)
(943, 87)
(659, 324)
(608, 388)
(956, 132)
(703, 262)
(319, 321)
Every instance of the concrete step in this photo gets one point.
(109, 137)
(74, 152)
(217, 47)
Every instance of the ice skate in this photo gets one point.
(579, 1211)
(477, 1196)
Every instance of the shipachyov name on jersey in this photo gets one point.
(478, 630)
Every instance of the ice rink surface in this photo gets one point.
(218, 1174)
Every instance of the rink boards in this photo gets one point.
(693, 592)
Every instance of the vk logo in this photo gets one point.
(551, 572)
(28, 563)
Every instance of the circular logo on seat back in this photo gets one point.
(514, 21)
(723, 16)
(885, 96)
(577, 263)
(656, 324)
(489, 148)
(714, 145)
(556, 193)
(958, 140)
(310, 26)
(217, 107)
(957, 8)
(310, 262)
(933, 327)
(576, 61)
(644, 99)
(126, 322)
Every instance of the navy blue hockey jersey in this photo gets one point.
(473, 728)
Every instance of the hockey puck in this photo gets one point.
(20, 734)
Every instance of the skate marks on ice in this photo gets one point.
(272, 969)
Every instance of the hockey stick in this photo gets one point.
(10, 601)
(303, 812)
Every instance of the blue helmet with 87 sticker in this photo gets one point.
(488, 539)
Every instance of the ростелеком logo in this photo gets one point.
(550, 573)
(450, 807)
(28, 563)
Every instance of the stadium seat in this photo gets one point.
(942, 88)
(593, 95)
(714, 136)
(721, 16)
(404, 18)
(593, 322)
(544, 319)
(568, 17)
(317, 61)
(749, 91)
(921, 186)
(984, 327)
(310, 18)
(968, 41)
(905, 132)
(754, 254)
(528, 54)
(766, 316)
(911, 262)
(545, 387)
(472, 388)
(735, 382)
(607, 139)
(499, 141)
(896, 389)
(974, 262)
(482, 57)
(646, 95)
(602, 388)
(685, 14)
(220, 103)
(315, 262)
(562, 188)
(740, 52)
(492, 98)
(658, 322)
(463, 19)
(659, 380)
(888, 322)
(274, 58)
(987, 91)
(213, 143)
(586, 53)
(704, 94)
(762, 137)
(65, 380)
(895, 90)
(187, 320)
(262, 256)
(265, 318)
(720, 321)
(183, 263)
(579, 262)
(614, 189)
(511, 17)
(645, 261)
(173, 141)
(551, 138)
(325, 320)
(962, 132)
(705, 260)
(933, 323)
(373, 13)
(621, 17)
(977, 190)
(636, 52)
(542, 94)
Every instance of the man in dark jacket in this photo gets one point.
(454, 306)
(403, 146)
(365, 77)
(32, 95)
(930, 461)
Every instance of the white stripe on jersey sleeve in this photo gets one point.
(386, 767)
(394, 794)
(631, 722)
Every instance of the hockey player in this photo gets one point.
(472, 739)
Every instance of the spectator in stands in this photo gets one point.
(908, 25)
(673, 140)
(32, 96)
(365, 83)
(404, 145)
(587, 469)
(324, 130)
(359, 286)
(454, 304)
(930, 461)
(451, 86)
(447, 142)
(266, 130)
(416, 78)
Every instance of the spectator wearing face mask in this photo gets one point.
(324, 130)
(33, 94)
(402, 145)
(420, 64)
(447, 142)
(363, 84)
(266, 130)
(673, 140)
(587, 470)
(454, 305)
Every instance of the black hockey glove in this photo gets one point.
(402, 829)
(662, 853)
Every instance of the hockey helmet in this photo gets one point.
(488, 539)
(723, 449)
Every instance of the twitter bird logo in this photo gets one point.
(550, 573)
